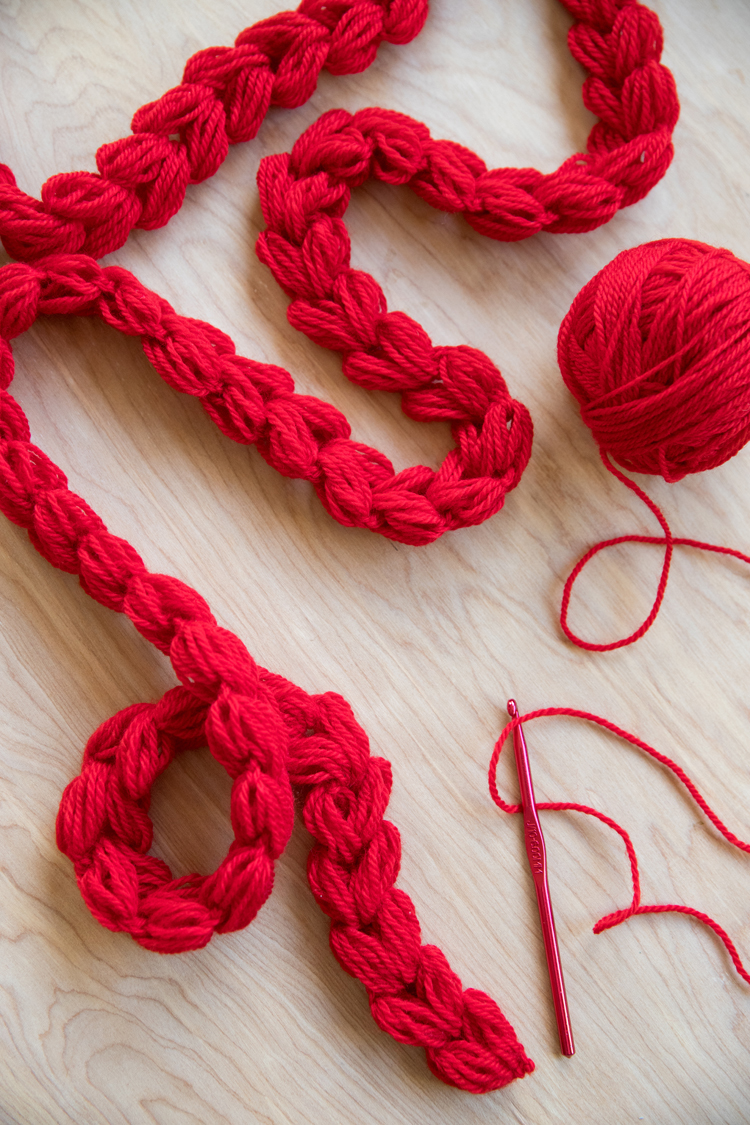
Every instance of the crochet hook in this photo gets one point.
(537, 854)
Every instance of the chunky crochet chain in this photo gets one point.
(268, 735)
(226, 91)
(256, 404)
(184, 137)
(304, 196)
(629, 151)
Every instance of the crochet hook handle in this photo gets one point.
(537, 854)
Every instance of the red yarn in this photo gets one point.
(300, 436)
(635, 907)
(641, 348)
(308, 249)
(226, 91)
(223, 98)
(656, 349)
(268, 735)
(304, 196)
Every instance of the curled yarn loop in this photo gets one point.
(268, 734)
(656, 350)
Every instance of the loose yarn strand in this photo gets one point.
(668, 542)
(617, 917)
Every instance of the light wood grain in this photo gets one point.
(426, 643)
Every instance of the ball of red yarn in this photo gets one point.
(656, 349)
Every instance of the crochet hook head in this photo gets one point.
(537, 854)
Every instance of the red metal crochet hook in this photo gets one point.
(537, 854)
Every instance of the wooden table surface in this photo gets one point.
(426, 643)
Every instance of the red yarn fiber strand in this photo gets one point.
(226, 92)
(635, 907)
(269, 735)
(223, 98)
(656, 349)
(667, 540)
